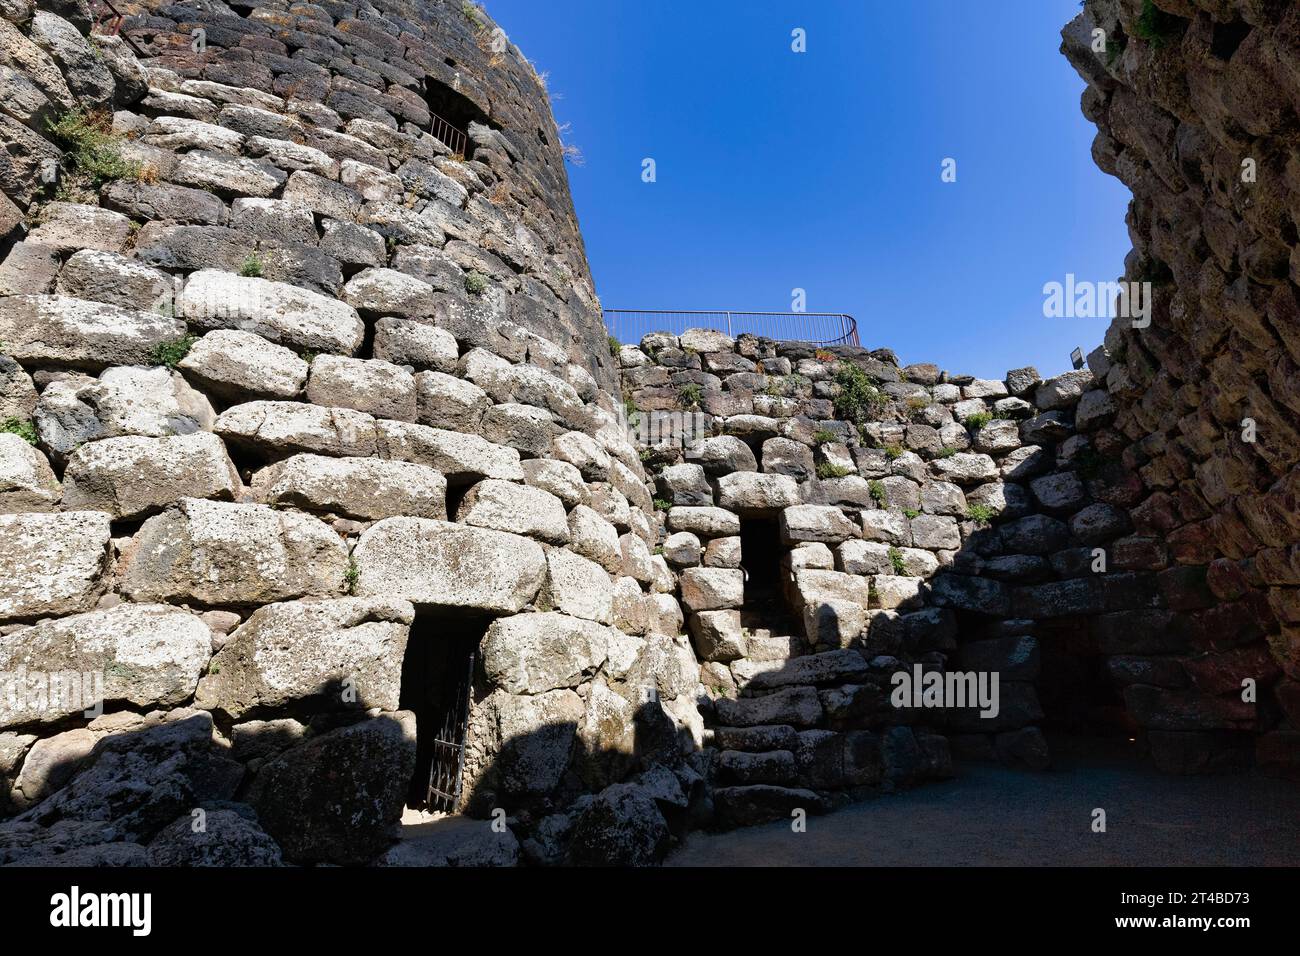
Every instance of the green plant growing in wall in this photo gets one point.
(823, 436)
(689, 395)
(475, 283)
(251, 267)
(828, 469)
(1157, 27)
(918, 402)
(614, 346)
(23, 428)
(91, 147)
(775, 386)
(947, 451)
(911, 512)
(857, 399)
(893, 451)
(980, 514)
(351, 575)
(662, 504)
(878, 494)
(896, 561)
(170, 353)
(978, 420)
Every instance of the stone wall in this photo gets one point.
(293, 395)
(290, 386)
(1196, 105)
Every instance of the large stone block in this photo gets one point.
(61, 331)
(233, 555)
(507, 506)
(144, 655)
(364, 488)
(131, 477)
(439, 564)
(277, 311)
(536, 653)
(342, 653)
(335, 798)
(51, 564)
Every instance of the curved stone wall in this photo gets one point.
(295, 390)
(297, 396)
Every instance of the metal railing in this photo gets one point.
(815, 328)
(449, 135)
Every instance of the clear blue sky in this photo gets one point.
(821, 170)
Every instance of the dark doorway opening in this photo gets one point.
(1078, 696)
(761, 551)
(437, 680)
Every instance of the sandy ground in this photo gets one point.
(993, 816)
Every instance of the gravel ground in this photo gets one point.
(992, 816)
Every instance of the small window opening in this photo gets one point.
(452, 113)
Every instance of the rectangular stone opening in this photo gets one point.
(452, 113)
(437, 679)
(1075, 689)
(761, 551)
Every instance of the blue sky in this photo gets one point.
(821, 170)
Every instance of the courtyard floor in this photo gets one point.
(992, 816)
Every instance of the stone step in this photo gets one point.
(772, 766)
(798, 706)
(764, 646)
(756, 739)
(839, 666)
(761, 803)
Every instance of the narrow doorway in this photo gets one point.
(764, 604)
(437, 681)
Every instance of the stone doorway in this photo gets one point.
(1077, 691)
(761, 550)
(437, 680)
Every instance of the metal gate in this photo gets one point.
(449, 745)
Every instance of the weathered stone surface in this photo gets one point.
(233, 554)
(797, 706)
(722, 455)
(228, 838)
(621, 826)
(62, 331)
(754, 493)
(233, 363)
(705, 522)
(461, 458)
(67, 226)
(535, 653)
(801, 523)
(578, 586)
(417, 344)
(506, 506)
(126, 400)
(712, 589)
(377, 388)
(283, 428)
(115, 279)
(277, 311)
(334, 798)
(26, 481)
(453, 841)
(759, 803)
(527, 739)
(51, 564)
(364, 488)
(718, 636)
(318, 651)
(131, 477)
(838, 665)
(149, 655)
(439, 564)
